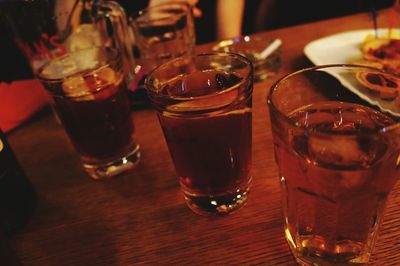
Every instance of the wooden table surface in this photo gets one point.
(140, 218)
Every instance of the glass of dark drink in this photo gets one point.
(90, 98)
(337, 155)
(204, 108)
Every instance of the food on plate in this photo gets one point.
(382, 52)
(368, 63)
(385, 85)
(381, 49)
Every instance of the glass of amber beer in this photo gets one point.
(204, 108)
(90, 97)
(338, 159)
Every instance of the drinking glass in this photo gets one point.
(45, 29)
(338, 159)
(90, 98)
(163, 32)
(252, 47)
(204, 108)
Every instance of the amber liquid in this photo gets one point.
(211, 151)
(335, 187)
(98, 122)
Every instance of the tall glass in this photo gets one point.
(204, 108)
(90, 98)
(338, 159)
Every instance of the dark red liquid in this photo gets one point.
(99, 123)
(211, 152)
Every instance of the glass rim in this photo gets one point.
(136, 16)
(245, 38)
(114, 56)
(195, 98)
(276, 84)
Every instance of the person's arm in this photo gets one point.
(229, 18)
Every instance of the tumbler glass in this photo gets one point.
(204, 108)
(338, 157)
(163, 32)
(90, 98)
(252, 48)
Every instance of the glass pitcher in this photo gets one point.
(45, 29)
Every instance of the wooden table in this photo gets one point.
(140, 218)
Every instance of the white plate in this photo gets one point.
(344, 48)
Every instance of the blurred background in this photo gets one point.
(254, 16)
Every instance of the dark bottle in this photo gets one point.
(17, 197)
(8, 257)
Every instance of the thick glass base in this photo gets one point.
(312, 251)
(115, 167)
(221, 204)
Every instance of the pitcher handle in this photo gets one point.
(114, 13)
